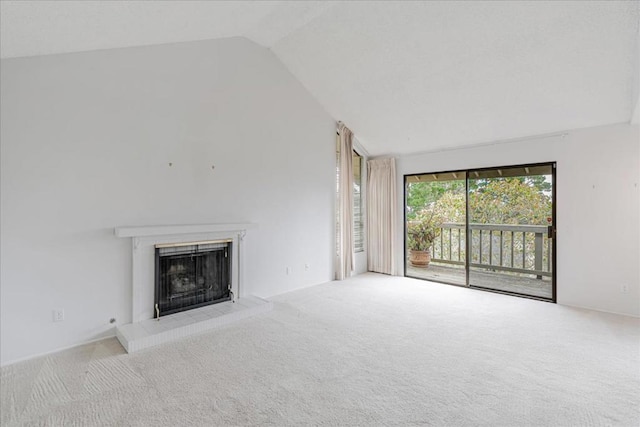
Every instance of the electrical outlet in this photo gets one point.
(307, 267)
(58, 315)
(624, 288)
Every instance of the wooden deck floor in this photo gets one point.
(484, 279)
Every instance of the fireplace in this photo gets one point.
(191, 275)
(145, 240)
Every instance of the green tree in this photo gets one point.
(515, 200)
(421, 195)
(509, 201)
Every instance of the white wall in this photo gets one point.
(598, 179)
(86, 144)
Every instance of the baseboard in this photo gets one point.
(46, 353)
(599, 310)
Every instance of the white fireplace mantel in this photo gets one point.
(166, 230)
(145, 238)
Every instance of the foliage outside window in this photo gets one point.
(521, 200)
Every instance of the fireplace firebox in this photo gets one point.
(191, 275)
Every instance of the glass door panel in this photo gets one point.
(435, 228)
(511, 228)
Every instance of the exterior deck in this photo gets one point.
(504, 257)
(495, 280)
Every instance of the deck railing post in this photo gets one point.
(490, 247)
(538, 254)
(511, 261)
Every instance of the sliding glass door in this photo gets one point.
(511, 229)
(436, 231)
(491, 228)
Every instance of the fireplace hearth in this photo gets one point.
(191, 275)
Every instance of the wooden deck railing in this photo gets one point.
(500, 247)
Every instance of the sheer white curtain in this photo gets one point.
(344, 262)
(381, 215)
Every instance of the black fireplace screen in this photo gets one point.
(191, 276)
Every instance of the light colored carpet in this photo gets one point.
(372, 350)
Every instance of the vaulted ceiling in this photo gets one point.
(405, 76)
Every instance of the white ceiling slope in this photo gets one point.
(405, 76)
(420, 76)
(43, 27)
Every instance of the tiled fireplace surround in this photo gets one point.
(145, 331)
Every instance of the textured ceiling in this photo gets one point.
(42, 27)
(411, 77)
(405, 76)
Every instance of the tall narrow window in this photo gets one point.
(358, 217)
(358, 223)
